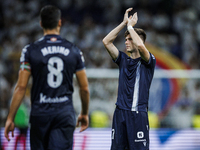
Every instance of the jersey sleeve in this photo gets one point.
(152, 61)
(24, 59)
(80, 59)
(118, 60)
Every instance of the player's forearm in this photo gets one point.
(85, 98)
(17, 98)
(144, 53)
(110, 37)
(135, 37)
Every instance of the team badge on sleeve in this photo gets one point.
(25, 66)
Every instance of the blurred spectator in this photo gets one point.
(99, 119)
(153, 120)
(180, 116)
(196, 117)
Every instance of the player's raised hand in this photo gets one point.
(132, 20)
(9, 126)
(126, 15)
(84, 121)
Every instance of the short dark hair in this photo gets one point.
(50, 16)
(140, 32)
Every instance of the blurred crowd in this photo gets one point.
(172, 25)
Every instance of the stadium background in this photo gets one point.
(173, 36)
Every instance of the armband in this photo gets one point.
(25, 66)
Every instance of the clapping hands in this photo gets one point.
(132, 19)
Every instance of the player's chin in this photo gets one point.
(129, 50)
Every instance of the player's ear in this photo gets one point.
(60, 23)
(41, 24)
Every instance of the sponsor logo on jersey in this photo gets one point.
(44, 99)
(140, 135)
(142, 140)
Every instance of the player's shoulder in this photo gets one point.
(123, 54)
(72, 46)
(151, 55)
(67, 43)
(152, 59)
(38, 42)
(28, 47)
(35, 43)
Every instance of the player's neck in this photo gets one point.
(134, 55)
(52, 31)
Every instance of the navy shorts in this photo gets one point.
(130, 130)
(53, 132)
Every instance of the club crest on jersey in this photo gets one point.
(53, 39)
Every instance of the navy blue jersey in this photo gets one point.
(135, 76)
(52, 61)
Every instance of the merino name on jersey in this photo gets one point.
(55, 49)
